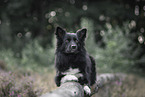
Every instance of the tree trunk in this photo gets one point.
(74, 89)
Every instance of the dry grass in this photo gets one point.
(45, 81)
(132, 86)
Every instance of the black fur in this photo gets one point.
(70, 52)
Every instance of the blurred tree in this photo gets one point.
(24, 20)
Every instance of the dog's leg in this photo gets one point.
(87, 90)
(58, 78)
(87, 82)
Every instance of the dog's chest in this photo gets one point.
(73, 71)
(70, 62)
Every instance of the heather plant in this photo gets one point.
(131, 86)
(11, 86)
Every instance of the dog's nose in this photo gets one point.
(73, 46)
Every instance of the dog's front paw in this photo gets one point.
(87, 90)
(69, 78)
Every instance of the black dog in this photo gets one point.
(72, 61)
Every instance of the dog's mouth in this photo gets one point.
(72, 51)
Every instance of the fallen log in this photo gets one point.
(74, 89)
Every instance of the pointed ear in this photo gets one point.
(82, 34)
(60, 32)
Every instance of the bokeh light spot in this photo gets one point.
(52, 13)
(85, 7)
(19, 35)
(140, 39)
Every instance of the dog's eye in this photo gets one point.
(66, 40)
(76, 40)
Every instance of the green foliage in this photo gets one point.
(116, 53)
(117, 46)
(32, 58)
(27, 45)
(41, 17)
(33, 53)
(8, 57)
(21, 22)
(90, 40)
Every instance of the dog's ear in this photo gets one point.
(60, 32)
(81, 33)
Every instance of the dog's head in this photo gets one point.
(70, 43)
